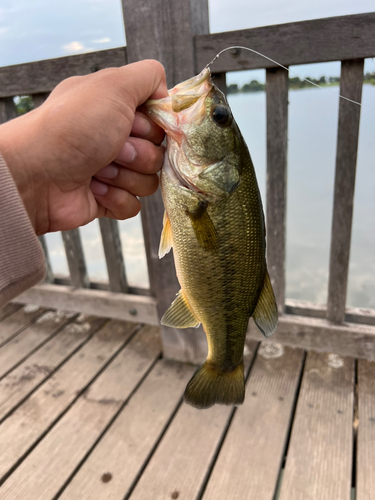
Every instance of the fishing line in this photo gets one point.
(281, 66)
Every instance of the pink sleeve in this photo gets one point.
(22, 262)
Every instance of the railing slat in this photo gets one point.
(220, 80)
(38, 99)
(75, 258)
(49, 276)
(277, 137)
(113, 255)
(346, 160)
(8, 109)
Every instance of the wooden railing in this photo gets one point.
(176, 33)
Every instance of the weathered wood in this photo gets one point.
(277, 143)
(365, 477)
(164, 31)
(113, 255)
(351, 81)
(220, 80)
(38, 99)
(321, 335)
(320, 40)
(7, 310)
(125, 447)
(15, 323)
(94, 302)
(52, 398)
(18, 384)
(18, 348)
(43, 76)
(101, 285)
(179, 466)
(261, 424)
(49, 272)
(358, 315)
(75, 258)
(8, 109)
(79, 430)
(319, 458)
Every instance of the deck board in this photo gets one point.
(319, 459)
(366, 431)
(22, 429)
(249, 461)
(18, 321)
(8, 310)
(21, 381)
(32, 337)
(111, 469)
(179, 466)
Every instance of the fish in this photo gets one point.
(214, 222)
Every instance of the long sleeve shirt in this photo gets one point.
(22, 263)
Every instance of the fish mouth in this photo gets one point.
(184, 105)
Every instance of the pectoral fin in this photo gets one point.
(204, 228)
(166, 242)
(265, 314)
(179, 314)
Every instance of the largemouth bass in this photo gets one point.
(214, 221)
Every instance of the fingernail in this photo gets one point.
(99, 188)
(108, 172)
(127, 154)
(141, 126)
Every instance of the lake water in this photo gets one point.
(313, 117)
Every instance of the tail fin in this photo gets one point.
(209, 385)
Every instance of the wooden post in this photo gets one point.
(8, 109)
(277, 140)
(164, 31)
(75, 258)
(351, 81)
(113, 255)
(49, 275)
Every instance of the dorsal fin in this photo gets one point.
(265, 314)
(166, 241)
(179, 315)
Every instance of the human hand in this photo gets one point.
(86, 152)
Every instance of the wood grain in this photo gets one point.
(130, 440)
(320, 40)
(18, 348)
(249, 461)
(113, 255)
(43, 76)
(18, 321)
(78, 430)
(322, 336)
(18, 384)
(164, 31)
(319, 458)
(277, 142)
(351, 81)
(8, 309)
(76, 259)
(94, 302)
(365, 477)
(23, 428)
(180, 463)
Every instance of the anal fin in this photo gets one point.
(265, 314)
(179, 315)
(166, 241)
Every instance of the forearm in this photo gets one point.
(21, 256)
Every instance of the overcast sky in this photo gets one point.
(40, 29)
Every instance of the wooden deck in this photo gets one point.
(90, 410)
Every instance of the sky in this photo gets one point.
(41, 29)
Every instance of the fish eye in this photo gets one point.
(221, 115)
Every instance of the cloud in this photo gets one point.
(73, 47)
(102, 40)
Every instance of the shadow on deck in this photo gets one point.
(90, 410)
